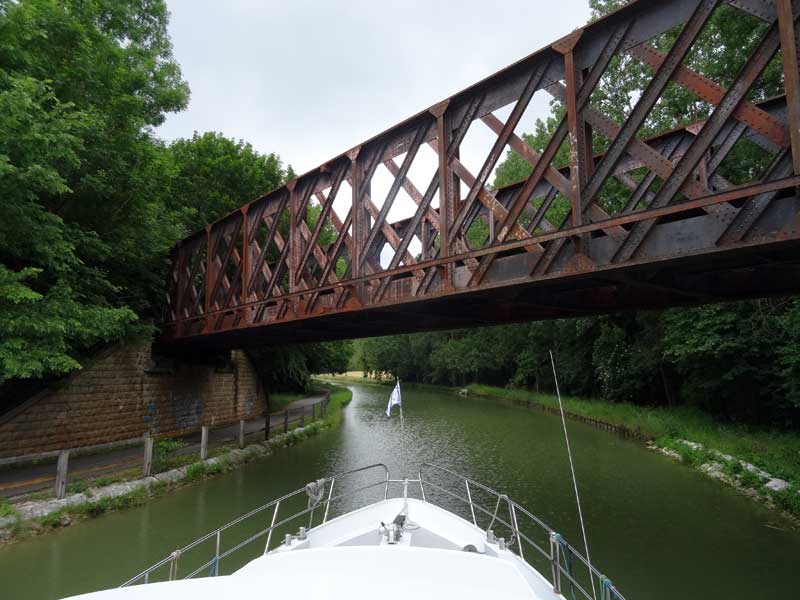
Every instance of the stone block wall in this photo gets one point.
(122, 394)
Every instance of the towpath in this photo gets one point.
(28, 478)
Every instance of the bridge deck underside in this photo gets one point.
(405, 232)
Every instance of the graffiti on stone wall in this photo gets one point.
(188, 409)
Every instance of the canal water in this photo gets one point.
(657, 529)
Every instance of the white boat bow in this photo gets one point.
(393, 548)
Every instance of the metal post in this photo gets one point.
(173, 565)
(358, 213)
(204, 442)
(516, 528)
(245, 260)
(210, 271)
(447, 188)
(61, 474)
(148, 455)
(421, 488)
(554, 561)
(328, 505)
(294, 237)
(216, 556)
(241, 433)
(791, 75)
(285, 420)
(471, 507)
(271, 525)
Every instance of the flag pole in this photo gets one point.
(402, 434)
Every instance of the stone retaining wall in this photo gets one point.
(124, 393)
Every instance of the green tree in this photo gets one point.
(83, 230)
(214, 175)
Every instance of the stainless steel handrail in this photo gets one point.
(557, 554)
(558, 546)
(172, 558)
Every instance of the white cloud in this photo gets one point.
(308, 80)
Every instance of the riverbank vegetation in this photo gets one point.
(92, 198)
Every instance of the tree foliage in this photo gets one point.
(81, 86)
(92, 200)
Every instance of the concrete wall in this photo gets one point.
(124, 393)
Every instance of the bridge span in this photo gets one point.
(652, 221)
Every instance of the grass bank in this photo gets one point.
(127, 490)
(774, 451)
(722, 450)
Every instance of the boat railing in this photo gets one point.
(554, 549)
(313, 490)
(535, 535)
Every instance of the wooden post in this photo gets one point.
(285, 420)
(61, 474)
(267, 424)
(241, 433)
(204, 442)
(302, 416)
(314, 412)
(147, 466)
(324, 406)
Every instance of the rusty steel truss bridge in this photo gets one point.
(652, 221)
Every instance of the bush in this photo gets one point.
(7, 509)
(54, 519)
(751, 480)
(788, 500)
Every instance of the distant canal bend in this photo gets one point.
(658, 529)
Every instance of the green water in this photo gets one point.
(658, 529)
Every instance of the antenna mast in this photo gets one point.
(574, 480)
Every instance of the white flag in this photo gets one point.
(394, 399)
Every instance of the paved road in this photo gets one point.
(15, 481)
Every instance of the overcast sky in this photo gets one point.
(309, 80)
